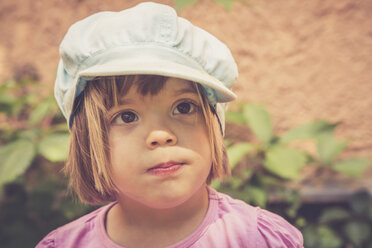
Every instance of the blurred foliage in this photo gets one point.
(34, 144)
(272, 160)
(33, 128)
(337, 226)
(263, 168)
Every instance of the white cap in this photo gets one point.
(147, 39)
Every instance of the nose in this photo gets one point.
(158, 138)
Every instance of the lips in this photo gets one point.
(164, 169)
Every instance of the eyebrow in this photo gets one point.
(186, 90)
(123, 101)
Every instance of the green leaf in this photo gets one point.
(357, 232)
(328, 238)
(17, 106)
(235, 182)
(61, 127)
(181, 4)
(259, 121)
(256, 195)
(329, 148)
(352, 167)
(216, 184)
(246, 174)
(311, 130)
(284, 161)
(40, 112)
(29, 134)
(71, 209)
(228, 142)
(301, 222)
(334, 214)
(6, 102)
(234, 193)
(15, 158)
(236, 152)
(268, 179)
(55, 147)
(227, 4)
(321, 237)
(235, 117)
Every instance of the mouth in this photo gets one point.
(164, 169)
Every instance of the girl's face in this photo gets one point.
(159, 147)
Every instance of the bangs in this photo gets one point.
(145, 84)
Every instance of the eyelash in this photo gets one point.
(118, 118)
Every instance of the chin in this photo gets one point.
(173, 199)
(167, 202)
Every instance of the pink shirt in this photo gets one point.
(228, 223)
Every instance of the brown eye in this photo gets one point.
(125, 117)
(128, 117)
(184, 108)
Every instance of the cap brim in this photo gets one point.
(162, 68)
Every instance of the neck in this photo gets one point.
(166, 224)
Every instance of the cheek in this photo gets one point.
(196, 138)
(121, 149)
(122, 159)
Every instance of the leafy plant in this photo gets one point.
(33, 144)
(351, 225)
(33, 128)
(262, 166)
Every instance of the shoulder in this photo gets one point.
(230, 209)
(276, 231)
(264, 229)
(76, 233)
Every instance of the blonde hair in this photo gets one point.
(88, 164)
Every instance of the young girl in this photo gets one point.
(143, 93)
